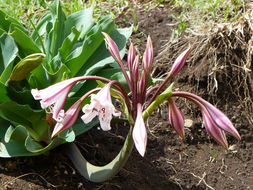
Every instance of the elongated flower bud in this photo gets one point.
(213, 130)
(68, 118)
(176, 118)
(135, 74)
(131, 57)
(142, 88)
(221, 120)
(139, 132)
(112, 47)
(148, 56)
(179, 63)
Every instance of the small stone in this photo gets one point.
(188, 123)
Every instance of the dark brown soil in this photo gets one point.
(195, 163)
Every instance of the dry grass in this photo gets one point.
(224, 55)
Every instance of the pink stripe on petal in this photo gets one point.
(61, 98)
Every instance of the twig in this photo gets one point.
(202, 180)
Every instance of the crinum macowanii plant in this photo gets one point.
(139, 100)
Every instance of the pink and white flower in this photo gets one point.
(101, 106)
(139, 132)
(54, 97)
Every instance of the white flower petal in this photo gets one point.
(89, 114)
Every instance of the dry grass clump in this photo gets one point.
(220, 61)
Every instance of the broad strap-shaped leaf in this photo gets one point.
(92, 41)
(68, 44)
(55, 30)
(101, 59)
(8, 54)
(32, 120)
(25, 43)
(6, 21)
(40, 28)
(82, 21)
(18, 133)
(100, 173)
(4, 125)
(3, 94)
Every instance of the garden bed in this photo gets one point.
(195, 163)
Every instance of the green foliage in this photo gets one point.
(58, 47)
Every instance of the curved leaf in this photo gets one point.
(81, 21)
(25, 43)
(9, 52)
(32, 120)
(81, 54)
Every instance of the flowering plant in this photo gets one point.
(60, 47)
(138, 100)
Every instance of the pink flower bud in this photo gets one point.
(139, 132)
(221, 120)
(66, 120)
(112, 47)
(131, 57)
(213, 130)
(176, 118)
(179, 63)
(148, 56)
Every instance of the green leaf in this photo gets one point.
(8, 54)
(25, 43)
(40, 28)
(80, 128)
(100, 173)
(4, 125)
(81, 21)
(68, 44)
(101, 56)
(100, 59)
(32, 120)
(3, 94)
(35, 147)
(6, 21)
(18, 133)
(13, 144)
(14, 149)
(2, 31)
(55, 30)
(94, 38)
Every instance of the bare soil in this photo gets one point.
(195, 163)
